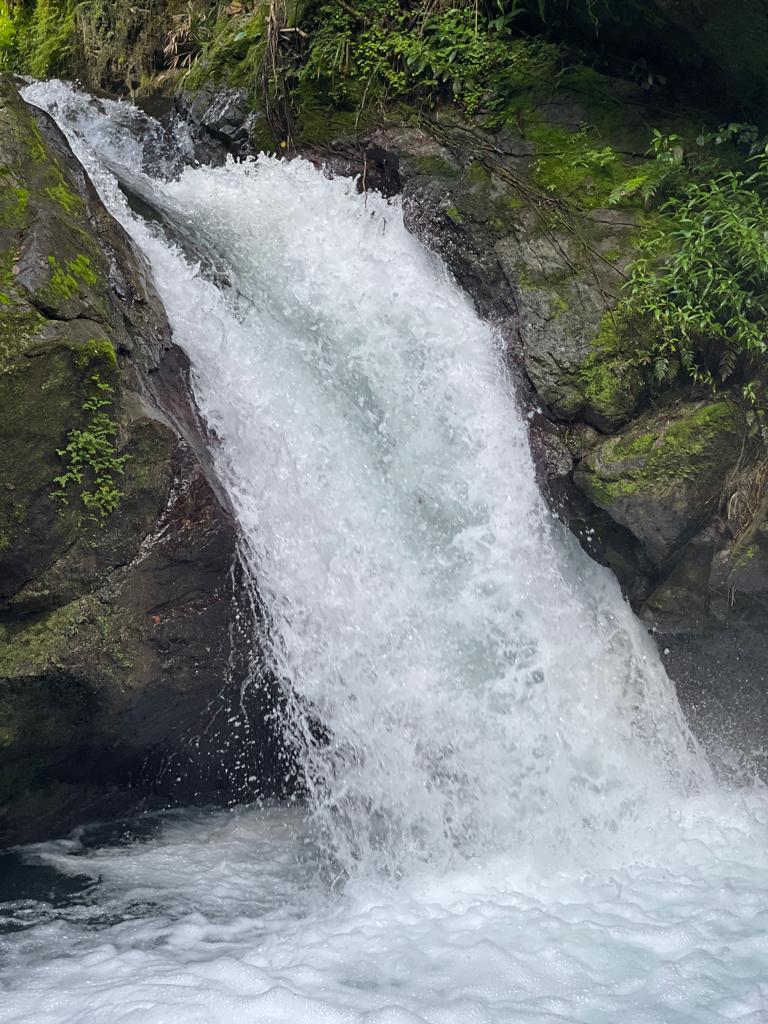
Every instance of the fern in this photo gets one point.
(702, 277)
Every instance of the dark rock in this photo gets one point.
(381, 171)
(221, 114)
(702, 47)
(661, 477)
(119, 589)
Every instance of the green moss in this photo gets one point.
(559, 307)
(262, 139)
(435, 166)
(611, 388)
(675, 452)
(65, 282)
(453, 213)
(65, 197)
(743, 556)
(19, 327)
(39, 647)
(610, 378)
(321, 117)
(578, 167)
(633, 447)
(82, 267)
(476, 174)
(45, 646)
(97, 350)
(14, 200)
(35, 145)
(61, 283)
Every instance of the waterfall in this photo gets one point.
(479, 681)
(507, 821)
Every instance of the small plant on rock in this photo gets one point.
(92, 461)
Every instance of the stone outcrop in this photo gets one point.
(118, 579)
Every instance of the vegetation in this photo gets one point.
(38, 38)
(382, 49)
(92, 461)
(702, 276)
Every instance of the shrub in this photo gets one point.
(702, 276)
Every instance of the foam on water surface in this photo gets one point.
(509, 820)
(230, 917)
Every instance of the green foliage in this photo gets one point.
(192, 29)
(37, 38)
(217, 44)
(92, 461)
(384, 49)
(702, 276)
(575, 166)
(8, 39)
(53, 34)
(660, 175)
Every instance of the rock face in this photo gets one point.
(661, 477)
(224, 114)
(118, 587)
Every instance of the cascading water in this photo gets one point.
(499, 732)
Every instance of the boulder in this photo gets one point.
(119, 587)
(661, 477)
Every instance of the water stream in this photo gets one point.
(509, 820)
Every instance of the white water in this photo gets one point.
(503, 738)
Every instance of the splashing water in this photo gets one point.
(500, 733)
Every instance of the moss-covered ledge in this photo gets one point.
(662, 476)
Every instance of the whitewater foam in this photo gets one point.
(228, 918)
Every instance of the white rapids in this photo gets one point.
(508, 820)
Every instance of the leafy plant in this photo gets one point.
(702, 277)
(91, 455)
(462, 51)
(661, 174)
(185, 37)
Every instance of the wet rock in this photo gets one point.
(661, 477)
(118, 583)
(222, 115)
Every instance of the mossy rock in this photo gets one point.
(56, 353)
(661, 476)
(580, 351)
(117, 601)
